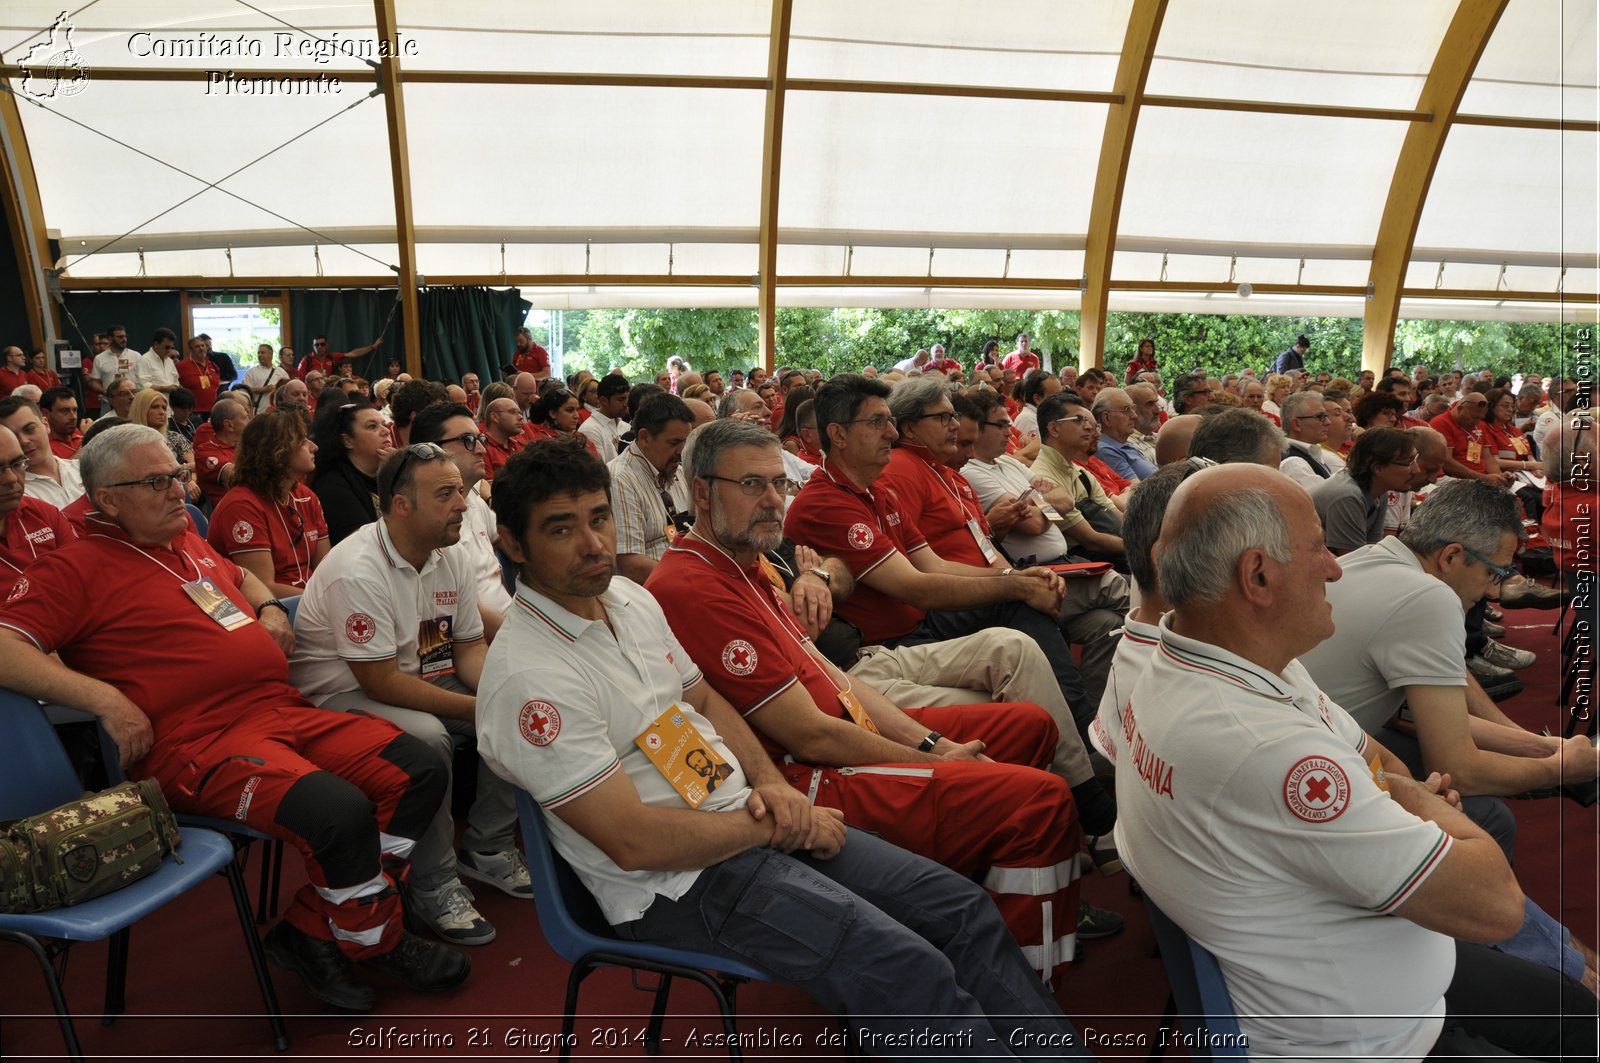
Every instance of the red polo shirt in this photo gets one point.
(35, 528)
(1569, 522)
(495, 455)
(1507, 441)
(1466, 447)
(161, 651)
(932, 494)
(245, 521)
(11, 381)
(45, 379)
(1113, 483)
(534, 360)
(210, 458)
(323, 363)
(738, 629)
(67, 448)
(863, 529)
(201, 379)
(1020, 363)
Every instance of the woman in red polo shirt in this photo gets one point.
(1506, 440)
(555, 413)
(269, 522)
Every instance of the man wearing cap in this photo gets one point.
(1292, 357)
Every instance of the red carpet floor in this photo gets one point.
(190, 995)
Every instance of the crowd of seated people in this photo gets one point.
(899, 598)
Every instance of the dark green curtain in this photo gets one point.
(469, 330)
(350, 318)
(141, 313)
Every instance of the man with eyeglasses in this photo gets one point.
(323, 360)
(1352, 502)
(193, 688)
(29, 528)
(1471, 457)
(1067, 429)
(50, 479)
(1119, 417)
(157, 368)
(1305, 422)
(452, 427)
(1009, 820)
(649, 494)
(1563, 392)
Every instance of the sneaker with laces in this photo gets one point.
(1094, 923)
(505, 871)
(1492, 629)
(1527, 594)
(423, 965)
(1503, 656)
(1487, 671)
(448, 912)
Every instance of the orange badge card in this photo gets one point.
(683, 756)
(1377, 773)
(857, 711)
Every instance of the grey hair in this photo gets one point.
(1473, 513)
(1566, 458)
(1141, 524)
(913, 395)
(1197, 556)
(100, 461)
(728, 405)
(703, 452)
(1105, 397)
(1236, 436)
(1292, 406)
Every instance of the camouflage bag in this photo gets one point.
(86, 848)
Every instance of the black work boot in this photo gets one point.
(326, 971)
(426, 966)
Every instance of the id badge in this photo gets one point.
(990, 554)
(436, 651)
(1474, 453)
(1378, 776)
(671, 532)
(218, 606)
(1519, 446)
(857, 711)
(689, 763)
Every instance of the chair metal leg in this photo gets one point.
(569, 1018)
(277, 874)
(258, 960)
(658, 1016)
(116, 977)
(58, 1000)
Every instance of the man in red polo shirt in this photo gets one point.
(60, 408)
(213, 456)
(502, 434)
(323, 360)
(29, 528)
(350, 791)
(1470, 457)
(925, 790)
(1022, 359)
(529, 357)
(197, 374)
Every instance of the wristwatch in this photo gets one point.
(823, 574)
(271, 601)
(927, 744)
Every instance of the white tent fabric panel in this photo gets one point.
(1540, 63)
(933, 164)
(1355, 53)
(357, 260)
(723, 37)
(645, 157)
(1146, 266)
(1258, 178)
(1043, 44)
(1516, 190)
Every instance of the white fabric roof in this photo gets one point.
(643, 180)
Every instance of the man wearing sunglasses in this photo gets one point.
(389, 624)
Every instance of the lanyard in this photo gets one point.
(294, 551)
(157, 560)
(676, 519)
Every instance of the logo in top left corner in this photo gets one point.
(53, 68)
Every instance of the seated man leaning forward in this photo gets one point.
(587, 700)
(1258, 816)
(207, 710)
(928, 788)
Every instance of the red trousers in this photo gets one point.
(346, 789)
(1011, 820)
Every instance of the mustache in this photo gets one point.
(761, 515)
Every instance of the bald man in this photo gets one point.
(1172, 442)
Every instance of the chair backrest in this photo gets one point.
(35, 774)
(292, 603)
(1198, 988)
(201, 521)
(568, 915)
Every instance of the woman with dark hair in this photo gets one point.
(789, 426)
(270, 523)
(1507, 441)
(1354, 501)
(1143, 362)
(555, 414)
(351, 442)
(1037, 386)
(990, 355)
(1377, 410)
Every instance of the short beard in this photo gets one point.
(744, 538)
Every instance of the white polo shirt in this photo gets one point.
(152, 370)
(1246, 810)
(1008, 476)
(61, 495)
(366, 603)
(477, 547)
(108, 366)
(265, 376)
(641, 517)
(605, 432)
(559, 705)
(1128, 666)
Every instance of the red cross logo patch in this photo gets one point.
(243, 532)
(860, 536)
(1316, 790)
(739, 657)
(18, 590)
(539, 723)
(359, 628)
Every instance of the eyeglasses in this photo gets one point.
(1497, 573)
(756, 486)
(420, 451)
(877, 424)
(16, 466)
(1407, 463)
(468, 440)
(1004, 426)
(1078, 417)
(945, 419)
(1311, 417)
(160, 483)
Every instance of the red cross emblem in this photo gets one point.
(539, 723)
(1316, 789)
(359, 628)
(859, 536)
(739, 657)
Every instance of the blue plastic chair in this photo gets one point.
(1199, 992)
(35, 776)
(578, 932)
(201, 521)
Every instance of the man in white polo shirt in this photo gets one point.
(616, 745)
(49, 478)
(115, 362)
(158, 367)
(605, 424)
(647, 486)
(389, 624)
(1257, 815)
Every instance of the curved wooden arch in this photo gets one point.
(405, 230)
(771, 170)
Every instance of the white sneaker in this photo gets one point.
(448, 911)
(1498, 653)
(505, 871)
(1485, 669)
